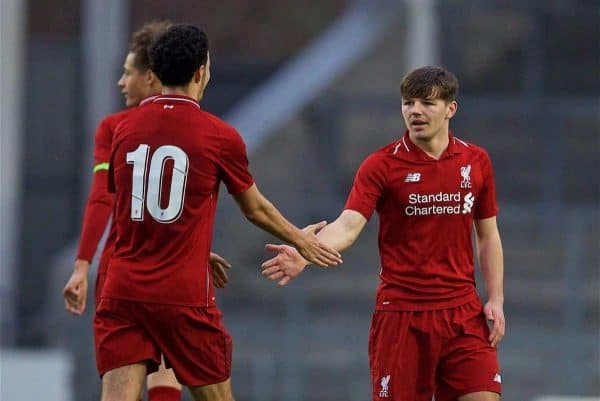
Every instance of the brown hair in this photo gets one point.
(429, 82)
(143, 38)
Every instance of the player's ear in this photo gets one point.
(199, 73)
(451, 109)
(151, 77)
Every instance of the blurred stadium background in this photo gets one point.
(313, 86)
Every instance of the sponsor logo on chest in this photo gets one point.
(437, 203)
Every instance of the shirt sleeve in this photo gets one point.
(233, 163)
(485, 204)
(100, 202)
(369, 184)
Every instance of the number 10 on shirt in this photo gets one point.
(148, 189)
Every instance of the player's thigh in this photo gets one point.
(402, 360)
(124, 383)
(163, 377)
(194, 342)
(120, 339)
(480, 396)
(213, 392)
(470, 366)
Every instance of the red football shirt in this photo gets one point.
(100, 202)
(426, 209)
(168, 159)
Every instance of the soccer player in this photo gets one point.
(138, 84)
(429, 334)
(168, 159)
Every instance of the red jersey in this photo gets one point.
(168, 159)
(100, 202)
(426, 209)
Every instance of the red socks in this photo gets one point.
(164, 393)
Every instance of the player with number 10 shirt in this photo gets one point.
(168, 174)
(168, 159)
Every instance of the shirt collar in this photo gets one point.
(179, 99)
(148, 100)
(408, 149)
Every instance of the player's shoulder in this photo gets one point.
(218, 124)
(112, 120)
(392, 150)
(469, 149)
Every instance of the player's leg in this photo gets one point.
(402, 359)
(123, 349)
(195, 345)
(213, 392)
(124, 383)
(480, 396)
(163, 385)
(469, 370)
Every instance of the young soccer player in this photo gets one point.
(138, 84)
(168, 160)
(429, 334)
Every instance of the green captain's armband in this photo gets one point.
(101, 166)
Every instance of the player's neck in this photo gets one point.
(434, 146)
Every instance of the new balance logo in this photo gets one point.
(413, 177)
(385, 382)
(468, 205)
(168, 106)
(498, 378)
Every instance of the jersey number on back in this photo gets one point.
(150, 189)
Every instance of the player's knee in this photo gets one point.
(213, 392)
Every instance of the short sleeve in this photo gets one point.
(233, 163)
(485, 204)
(369, 184)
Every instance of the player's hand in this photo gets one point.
(314, 228)
(286, 266)
(320, 254)
(316, 252)
(75, 291)
(218, 267)
(494, 313)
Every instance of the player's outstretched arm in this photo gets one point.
(340, 235)
(262, 213)
(489, 250)
(218, 269)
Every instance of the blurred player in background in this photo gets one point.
(167, 162)
(429, 334)
(139, 85)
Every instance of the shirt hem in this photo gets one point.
(154, 301)
(413, 306)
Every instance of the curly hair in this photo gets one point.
(143, 38)
(178, 53)
(429, 81)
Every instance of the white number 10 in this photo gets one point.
(152, 191)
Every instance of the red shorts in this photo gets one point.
(193, 340)
(446, 353)
(100, 278)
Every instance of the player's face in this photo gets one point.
(426, 118)
(135, 85)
